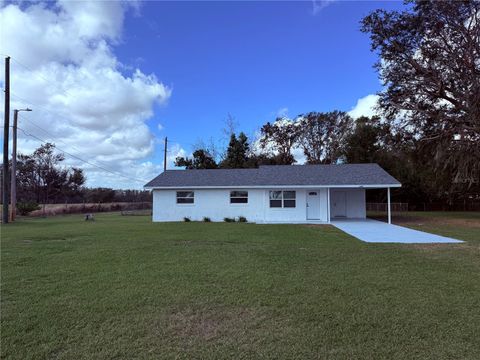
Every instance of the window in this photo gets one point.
(282, 199)
(185, 197)
(275, 199)
(289, 199)
(238, 197)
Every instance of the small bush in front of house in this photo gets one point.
(25, 208)
(227, 219)
(206, 219)
(242, 219)
(186, 219)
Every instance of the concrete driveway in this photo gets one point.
(374, 231)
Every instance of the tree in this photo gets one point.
(237, 152)
(256, 160)
(279, 138)
(373, 141)
(201, 160)
(42, 179)
(323, 135)
(73, 186)
(429, 62)
(49, 178)
(100, 195)
(364, 144)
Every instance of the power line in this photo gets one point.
(56, 139)
(40, 76)
(65, 118)
(82, 160)
(41, 107)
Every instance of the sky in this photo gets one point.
(107, 81)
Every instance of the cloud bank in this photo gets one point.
(86, 101)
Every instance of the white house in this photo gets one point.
(269, 194)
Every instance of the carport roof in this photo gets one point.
(343, 175)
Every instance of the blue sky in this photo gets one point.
(249, 59)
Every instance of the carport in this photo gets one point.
(349, 202)
(374, 231)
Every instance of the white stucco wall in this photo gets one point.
(215, 204)
(355, 202)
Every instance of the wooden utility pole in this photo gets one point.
(13, 184)
(13, 171)
(6, 126)
(165, 156)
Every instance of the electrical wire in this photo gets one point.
(82, 160)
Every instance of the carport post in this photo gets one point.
(388, 210)
(328, 205)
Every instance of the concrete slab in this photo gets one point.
(374, 231)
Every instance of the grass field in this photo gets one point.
(125, 288)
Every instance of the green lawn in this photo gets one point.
(126, 288)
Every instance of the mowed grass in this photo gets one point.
(125, 288)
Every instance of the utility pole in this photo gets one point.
(13, 172)
(6, 125)
(165, 156)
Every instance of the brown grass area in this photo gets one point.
(61, 209)
(440, 247)
(419, 221)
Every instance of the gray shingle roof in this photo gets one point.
(276, 175)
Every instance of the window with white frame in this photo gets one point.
(185, 197)
(282, 199)
(238, 197)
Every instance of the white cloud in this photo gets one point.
(299, 155)
(282, 112)
(365, 106)
(319, 5)
(64, 67)
(159, 127)
(174, 151)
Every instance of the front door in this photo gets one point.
(313, 205)
(339, 202)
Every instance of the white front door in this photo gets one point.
(313, 205)
(339, 204)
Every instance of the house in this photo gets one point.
(268, 194)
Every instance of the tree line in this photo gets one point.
(427, 132)
(42, 178)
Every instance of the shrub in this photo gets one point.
(242, 219)
(186, 219)
(228, 219)
(25, 208)
(206, 219)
